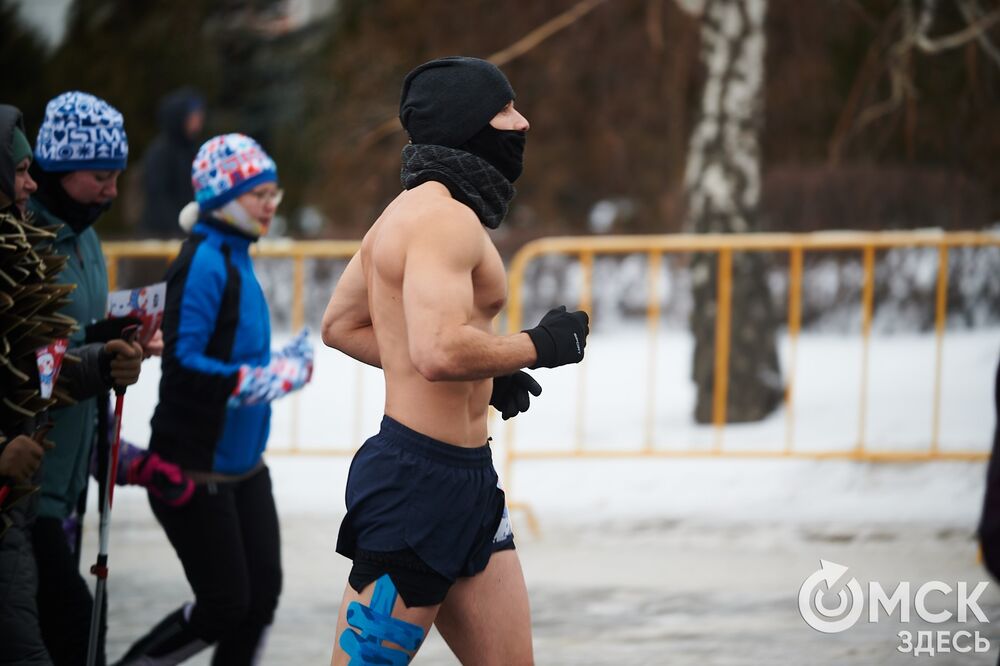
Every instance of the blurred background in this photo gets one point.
(855, 431)
(860, 126)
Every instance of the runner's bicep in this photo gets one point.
(437, 287)
(348, 306)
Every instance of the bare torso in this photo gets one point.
(450, 411)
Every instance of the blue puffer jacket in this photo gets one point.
(215, 320)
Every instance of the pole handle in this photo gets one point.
(128, 335)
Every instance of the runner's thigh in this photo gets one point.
(485, 619)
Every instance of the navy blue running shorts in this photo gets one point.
(422, 511)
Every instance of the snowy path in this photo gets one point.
(666, 561)
(662, 592)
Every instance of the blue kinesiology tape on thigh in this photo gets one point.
(374, 625)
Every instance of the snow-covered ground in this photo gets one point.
(655, 560)
(607, 396)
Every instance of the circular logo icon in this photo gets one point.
(827, 603)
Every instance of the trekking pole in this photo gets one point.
(100, 568)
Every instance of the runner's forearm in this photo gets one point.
(358, 343)
(467, 354)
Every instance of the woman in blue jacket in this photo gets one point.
(218, 379)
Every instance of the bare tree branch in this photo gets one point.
(924, 23)
(544, 31)
(876, 111)
(975, 31)
(971, 11)
(916, 26)
(520, 47)
(869, 73)
(900, 63)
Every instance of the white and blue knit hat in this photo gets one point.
(80, 132)
(226, 167)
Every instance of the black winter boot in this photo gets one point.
(169, 642)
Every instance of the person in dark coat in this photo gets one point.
(167, 164)
(20, 455)
(989, 523)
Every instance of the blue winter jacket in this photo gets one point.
(215, 320)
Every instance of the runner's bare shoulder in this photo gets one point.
(431, 214)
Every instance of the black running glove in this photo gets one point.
(560, 337)
(510, 393)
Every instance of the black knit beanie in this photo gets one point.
(446, 101)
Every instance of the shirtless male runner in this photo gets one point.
(426, 526)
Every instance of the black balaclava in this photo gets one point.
(451, 101)
(504, 149)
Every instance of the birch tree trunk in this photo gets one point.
(723, 183)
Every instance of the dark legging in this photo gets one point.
(227, 539)
(64, 600)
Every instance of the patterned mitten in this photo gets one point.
(290, 369)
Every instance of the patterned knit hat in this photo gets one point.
(226, 167)
(80, 132)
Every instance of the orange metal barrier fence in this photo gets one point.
(585, 249)
(724, 245)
